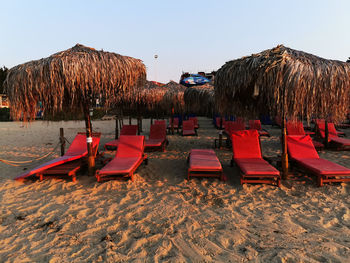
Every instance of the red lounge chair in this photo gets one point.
(217, 122)
(334, 140)
(129, 156)
(203, 162)
(157, 137)
(232, 126)
(297, 128)
(175, 125)
(162, 122)
(303, 153)
(256, 125)
(247, 155)
(69, 163)
(188, 128)
(126, 130)
(195, 121)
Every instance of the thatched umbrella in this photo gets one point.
(287, 82)
(200, 99)
(69, 81)
(173, 100)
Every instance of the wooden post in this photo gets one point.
(62, 141)
(116, 128)
(88, 126)
(151, 121)
(220, 133)
(172, 120)
(326, 131)
(284, 150)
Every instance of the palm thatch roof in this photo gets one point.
(174, 97)
(256, 84)
(70, 79)
(200, 99)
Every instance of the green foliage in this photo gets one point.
(3, 72)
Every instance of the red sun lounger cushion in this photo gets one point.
(322, 166)
(188, 128)
(157, 136)
(195, 122)
(301, 146)
(126, 130)
(295, 128)
(77, 150)
(256, 166)
(128, 157)
(204, 160)
(246, 144)
(342, 141)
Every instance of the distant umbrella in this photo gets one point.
(70, 80)
(193, 80)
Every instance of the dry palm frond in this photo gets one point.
(70, 79)
(174, 97)
(256, 84)
(200, 99)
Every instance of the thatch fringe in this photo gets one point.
(174, 97)
(200, 100)
(313, 86)
(70, 79)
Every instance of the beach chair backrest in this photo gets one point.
(129, 130)
(157, 131)
(79, 144)
(300, 147)
(321, 125)
(237, 126)
(188, 125)
(246, 144)
(162, 122)
(176, 121)
(295, 128)
(217, 121)
(130, 146)
(255, 125)
(195, 120)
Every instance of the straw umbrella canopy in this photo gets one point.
(173, 100)
(69, 81)
(200, 99)
(287, 82)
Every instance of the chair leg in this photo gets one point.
(188, 176)
(132, 177)
(320, 180)
(41, 177)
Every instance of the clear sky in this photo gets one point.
(186, 35)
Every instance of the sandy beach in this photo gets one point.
(162, 217)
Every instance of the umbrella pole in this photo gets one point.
(129, 120)
(220, 133)
(326, 131)
(284, 138)
(284, 150)
(116, 127)
(172, 120)
(88, 126)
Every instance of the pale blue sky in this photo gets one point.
(187, 35)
